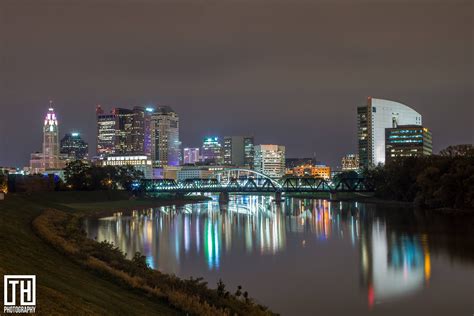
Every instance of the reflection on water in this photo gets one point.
(214, 241)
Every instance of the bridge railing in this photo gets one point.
(256, 185)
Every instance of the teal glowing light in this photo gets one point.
(74, 134)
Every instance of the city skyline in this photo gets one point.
(282, 88)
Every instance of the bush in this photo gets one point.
(191, 296)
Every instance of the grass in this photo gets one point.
(63, 286)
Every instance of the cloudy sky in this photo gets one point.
(287, 72)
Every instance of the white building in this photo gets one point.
(140, 162)
(190, 155)
(270, 160)
(372, 120)
(194, 172)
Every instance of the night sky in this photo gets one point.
(287, 72)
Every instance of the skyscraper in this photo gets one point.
(270, 160)
(165, 141)
(123, 131)
(212, 151)
(137, 139)
(74, 147)
(238, 151)
(372, 120)
(51, 140)
(407, 141)
(49, 158)
(190, 155)
(105, 132)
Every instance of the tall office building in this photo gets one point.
(212, 151)
(123, 131)
(51, 140)
(49, 158)
(137, 137)
(73, 147)
(270, 160)
(165, 143)
(190, 155)
(407, 141)
(105, 132)
(238, 151)
(372, 120)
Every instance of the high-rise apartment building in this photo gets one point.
(270, 160)
(165, 143)
(407, 141)
(350, 162)
(372, 120)
(190, 155)
(239, 151)
(212, 151)
(73, 147)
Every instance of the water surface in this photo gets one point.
(308, 257)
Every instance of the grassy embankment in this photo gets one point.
(63, 286)
(71, 283)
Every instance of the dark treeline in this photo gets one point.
(438, 181)
(81, 175)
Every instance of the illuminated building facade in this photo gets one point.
(194, 172)
(190, 155)
(212, 151)
(74, 147)
(51, 141)
(165, 143)
(308, 170)
(407, 141)
(105, 133)
(350, 162)
(239, 151)
(140, 162)
(270, 160)
(49, 158)
(372, 120)
(123, 131)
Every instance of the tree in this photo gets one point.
(3, 181)
(127, 175)
(77, 175)
(463, 150)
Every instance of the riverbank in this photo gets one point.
(354, 197)
(65, 284)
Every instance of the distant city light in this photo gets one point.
(149, 109)
(74, 134)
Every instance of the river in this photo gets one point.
(308, 256)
